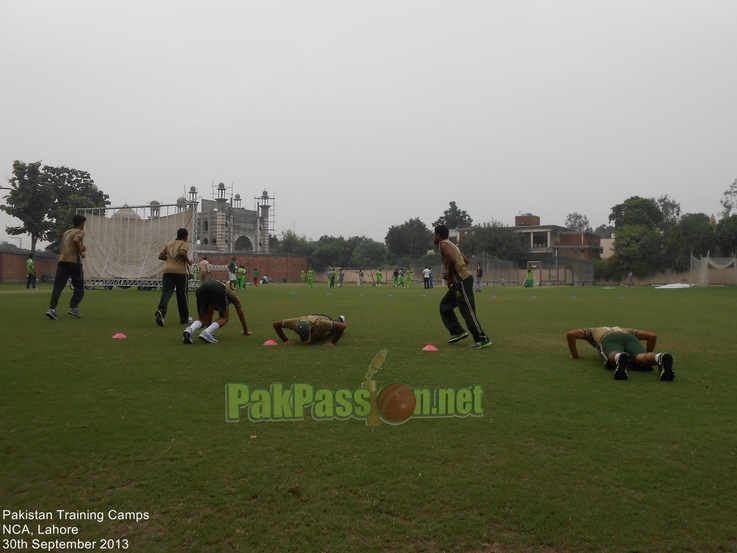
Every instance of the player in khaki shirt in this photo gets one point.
(177, 262)
(312, 327)
(70, 266)
(621, 348)
(459, 294)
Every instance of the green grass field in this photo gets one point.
(564, 458)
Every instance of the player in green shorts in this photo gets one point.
(378, 277)
(241, 278)
(621, 348)
(310, 276)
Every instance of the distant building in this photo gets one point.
(223, 225)
(547, 241)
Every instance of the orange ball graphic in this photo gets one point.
(396, 402)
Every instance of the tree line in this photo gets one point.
(650, 235)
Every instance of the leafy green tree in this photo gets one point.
(637, 211)
(411, 239)
(368, 253)
(639, 249)
(726, 235)
(729, 201)
(576, 221)
(293, 244)
(692, 234)
(72, 189)
(30, 200)
(454, 218)
(670, 209)
(496, 239)
(604, 230)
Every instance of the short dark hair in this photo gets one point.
(182, 233)
(78, 220)
(443, 231)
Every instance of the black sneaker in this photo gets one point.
(51, 314)
(620, 371)
(159, 318)
(484, 342)
(665, 364)
(187, 334)
(457, 337)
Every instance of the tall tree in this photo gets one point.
(604, 230)
(670, 209)
(368, 253)
(692, 234)
(637, 211)
(729, 201)
(496, 239)
(294, 244)
(30, 200)
(73, 189)
(454, 218)
(726, 236)
(639, 249)
(411, 239)
(576, 221)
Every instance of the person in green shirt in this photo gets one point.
(302, 276)
(255, 276)
(241, 278)
(31, 266)
(232, 274)
(378, 277)
(409, 278)
(310, 276)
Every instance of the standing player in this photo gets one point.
(378, 278)
(255, 276)
(205, 270)
(479, 275)
(31, 268)
(214, 296)
(241, 278)
(232, 273)
(459, 294)
(70, 266)
(176, 256)
(302, 276)
(310, 276)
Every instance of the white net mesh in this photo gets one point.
(123, 243)
(713, 271)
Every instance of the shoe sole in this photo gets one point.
(52, 317)
(187, 337)
(458, 338)
(74, 314)
(666, 368)
(159, 319)
(207, 340)
(620, 372)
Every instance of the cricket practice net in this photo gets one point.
(713, 270)
(123, 243)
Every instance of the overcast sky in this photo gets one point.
(359, 115)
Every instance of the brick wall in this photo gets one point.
(277, 267)
(13, 265)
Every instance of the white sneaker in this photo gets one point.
(187, 336)
(207, 336)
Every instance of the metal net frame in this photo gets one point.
(123, 243)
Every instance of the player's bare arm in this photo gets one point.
(572, 336)
(242, 318)
(339, 329)
(650, 339)
(285, 341)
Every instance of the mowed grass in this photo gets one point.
(563, 459)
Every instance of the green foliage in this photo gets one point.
(454, 218)
(692, 234)
(30, 200)
(729, 201)
(368, 253)
(496, 239)
(293, 244)
(726, 236)
(639, 249)
(72, 189)
(604, 230)
(576, 221)
(637, 211)
(410, 239)
(334, 252)
(670, 209)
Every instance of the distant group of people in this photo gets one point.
(620, 348)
